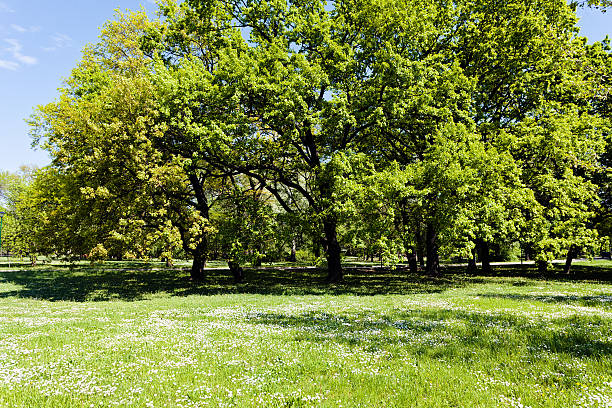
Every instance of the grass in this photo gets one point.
(138, 335)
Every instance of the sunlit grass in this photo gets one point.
(137, 334)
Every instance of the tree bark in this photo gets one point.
(332, 252)
(316, 248)
(431, 244)
(485, 256)
(201, 251)
(197, 267)
(412, 262)
(292, 257)
(472, 268)
(236, 271)
(571, 254)
(527, 250)
(420, 246)
(542, 267)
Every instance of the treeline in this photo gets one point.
(260, 130)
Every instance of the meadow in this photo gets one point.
(140, 335)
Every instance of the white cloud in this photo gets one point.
(5, 8)
(9, 65)
(21, 29)
(59, 41)
(18, 58)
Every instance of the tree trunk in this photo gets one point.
(542, 267)
(472, 268)
(236, 271)
(201, 252)
(292, 257)
(484, 256)
(332, 253)
(420, 252)
(571, 254)
(169, 263)
(431, 244)
(412, 262)
(197, 267)
(258, 257)
(316, 248)
(527, 250)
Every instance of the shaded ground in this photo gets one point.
(469, 330)
(137, 280)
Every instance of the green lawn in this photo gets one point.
(135, 334)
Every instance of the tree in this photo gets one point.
(246, 226)
(122, 136)
(490, 69)
(13, 191)
(599, 4)
(284, 112)
(596, 99)
(103, 132)
(453, 123)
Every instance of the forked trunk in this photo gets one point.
(201, 251)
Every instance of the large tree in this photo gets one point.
(108, 138)
(277, 107)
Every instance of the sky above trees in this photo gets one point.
(41, 41)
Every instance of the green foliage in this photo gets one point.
(98, 253)
(18, 224)
(246, 227)
(243, 129)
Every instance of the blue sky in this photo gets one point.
(40, 42)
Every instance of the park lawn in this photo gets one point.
(142, 336)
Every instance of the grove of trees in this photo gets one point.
(257, 131)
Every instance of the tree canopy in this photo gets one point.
(238, 129)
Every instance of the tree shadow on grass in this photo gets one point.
(132, 281)
(451, 334)
(100, 283)
(600, 300)
(594, 273)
